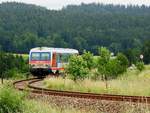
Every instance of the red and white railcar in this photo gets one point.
(44, 60)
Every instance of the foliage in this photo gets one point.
(122, 85)
(146, 52)
(77, 68)
(103, 60)
(11, 101)
(133, 55)
(88, 57)
(11, 64)
(111, 67)
(140, 66)
(122, 63)
(82, 27)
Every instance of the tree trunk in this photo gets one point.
(2, 81)
(106, 82)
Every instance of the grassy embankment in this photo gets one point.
(132, 82)
(13, 101)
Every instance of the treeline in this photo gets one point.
(87, 26)
(12, 65)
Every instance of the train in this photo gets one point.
(46, 60)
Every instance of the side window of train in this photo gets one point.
(65, 57)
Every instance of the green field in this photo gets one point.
(133, 82)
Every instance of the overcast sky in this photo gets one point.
(58, 4)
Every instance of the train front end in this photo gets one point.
(40, 61)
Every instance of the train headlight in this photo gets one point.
(32, 65)
(47, 65)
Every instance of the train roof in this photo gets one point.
(57, 50)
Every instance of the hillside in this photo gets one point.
(88, 26)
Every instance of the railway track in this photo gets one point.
(28, 85)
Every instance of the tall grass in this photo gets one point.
(13, 101)
(10, 100)
(33, 106)
(133, 82)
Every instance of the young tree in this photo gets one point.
(88, 57)
(111, 67)
(140, 65)
(146, 52)
(103, 62)
(122, 63)
(3, 65)
(77, 68)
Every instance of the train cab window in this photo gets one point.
(35, 56)
(45, 56)
(65, 57)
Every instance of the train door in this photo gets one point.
(54, 63)
(59, 62)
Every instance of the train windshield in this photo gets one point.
(45, 56)
(35, 56)
(40, 56)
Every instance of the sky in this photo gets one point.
(58, 4)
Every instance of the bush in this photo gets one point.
(14, 74)
(77, 68)
(111, 67)
(9, 63)
(140, 66)
(123, 63)
(88, 57)
(11, 101)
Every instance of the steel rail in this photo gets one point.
(110, 97)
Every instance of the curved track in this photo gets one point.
(28, 85)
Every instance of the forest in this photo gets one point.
(87, 26)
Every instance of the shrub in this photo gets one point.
(140, 66)
(9, 63)
(111, 67)
(88, 57)
(103, 60)
(77, 68)
(11, 101)
(123, 63)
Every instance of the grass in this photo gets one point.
(33, 106)
(13, 101)
(132, 82)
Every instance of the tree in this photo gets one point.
(77, 68)
(86, 26)
(122, 63)
(10, 63)
(103, 61)
(111, 67)
(88, 57)
(132, 55)
(3, 65)
(146, 52)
